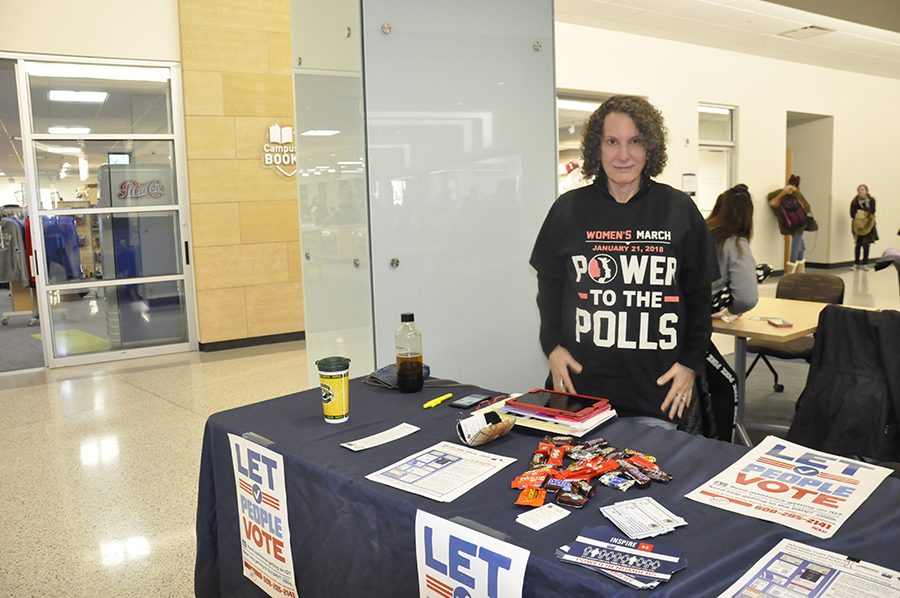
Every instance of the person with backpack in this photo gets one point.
(793, 212)
(862, 219)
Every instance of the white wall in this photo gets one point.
(8, 190)
(811, 145)
(135, 29)
(677, 76)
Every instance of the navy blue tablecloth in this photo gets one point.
(353, 537)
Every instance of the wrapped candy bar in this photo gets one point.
(558, 440)
(572, 499)
(558, 484)
(613, 480)
(532, 479)
(557, 454)
(629, 470)
(631, 453)
(532, 497)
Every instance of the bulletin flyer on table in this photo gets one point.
(795, 569)
(787, 483)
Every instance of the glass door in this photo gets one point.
(19, 349)
(103, 146)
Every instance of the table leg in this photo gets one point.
(740, 369)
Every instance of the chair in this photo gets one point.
(890, 256)
(822, 288)
(850, 405)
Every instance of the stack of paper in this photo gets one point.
(642, 518)
(637, 564)
(534, 420)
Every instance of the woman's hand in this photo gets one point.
(678, 399)
(561, 361)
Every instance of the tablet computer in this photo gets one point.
(562, 405)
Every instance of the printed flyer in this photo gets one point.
(787, 483)
(794, 569)
(263, 516)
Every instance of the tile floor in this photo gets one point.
(99, 464)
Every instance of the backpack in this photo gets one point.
(793, 212)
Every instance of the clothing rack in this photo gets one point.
(35, 316)
(16, 212)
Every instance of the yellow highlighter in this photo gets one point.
(437, 401)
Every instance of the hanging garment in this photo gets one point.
(12, 251)
(851, 403)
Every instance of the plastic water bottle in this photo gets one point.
(408, 344)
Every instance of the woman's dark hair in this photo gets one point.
(648, 120)
(731, 216)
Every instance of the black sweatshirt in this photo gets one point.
(626, 289)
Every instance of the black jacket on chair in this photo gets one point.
(851, 403)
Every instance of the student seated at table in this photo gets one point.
(735, 292)
(731, 226)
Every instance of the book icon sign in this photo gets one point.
(278, 134)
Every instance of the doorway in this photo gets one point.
(103, 190)
(810, 149)
(20, 335)
(716, 153)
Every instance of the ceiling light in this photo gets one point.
(713, 110)
(2, 173)
(580, 105)
(319, 133)
(69, 130)
(805, 32)
(92, 71)
(88, 97)
(69, 151)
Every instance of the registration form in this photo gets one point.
(442, 472)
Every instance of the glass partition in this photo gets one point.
(94, 99)
(98, 319)
(111, 246)
(334, 224)
(123, 173)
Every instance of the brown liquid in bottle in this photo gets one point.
(410, 377)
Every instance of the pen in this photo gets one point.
(437, 401)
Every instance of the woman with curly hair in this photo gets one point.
(624, 268)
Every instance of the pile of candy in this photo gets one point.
(613, 467)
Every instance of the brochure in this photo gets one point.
(442, 472)
(795, 569)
